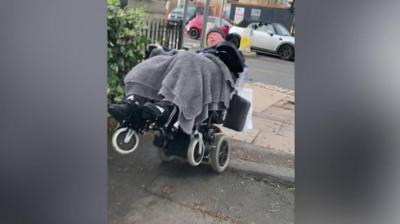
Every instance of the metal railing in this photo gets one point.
(160, 31)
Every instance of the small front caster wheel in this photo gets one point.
(125, 140)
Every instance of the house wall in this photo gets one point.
(155, 8)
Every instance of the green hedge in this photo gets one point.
(125, 45)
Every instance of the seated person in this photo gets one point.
(194, 83)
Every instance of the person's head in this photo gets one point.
(214, 37)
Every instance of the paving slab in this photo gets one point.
(244, 136)
(264, 98)
(278, 112)
(276, 135)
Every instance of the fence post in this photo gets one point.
(175, 36)
(205, 19)
(180, 44)
(165, 23)
(154, 31)
(182, 27)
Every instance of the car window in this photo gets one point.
(267, 28)
(178, 10)
(191, 11)
(211, 20)
(281, 30)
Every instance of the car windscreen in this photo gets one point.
(178, 11)
(281, 30)
(246, 23)
(191, 10)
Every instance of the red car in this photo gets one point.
(193, 28)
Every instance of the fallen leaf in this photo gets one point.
(168, 189)
(272, 210)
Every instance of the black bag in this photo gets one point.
(237, 113)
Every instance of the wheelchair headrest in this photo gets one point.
(231, 56)
(234, 38)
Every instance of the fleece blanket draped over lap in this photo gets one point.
(195, 83)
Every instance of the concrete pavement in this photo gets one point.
(273, 120)
(268, 148)
(144, 190)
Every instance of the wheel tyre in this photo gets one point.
(219, 157)
(286, 52)
(163, 156)
(122, 147)
(194, 33)
(193, 157)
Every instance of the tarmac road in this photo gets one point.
(144, 190)
(264, 68)
(271, 70)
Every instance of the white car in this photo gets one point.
(268, 37)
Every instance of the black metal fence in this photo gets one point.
(159, 31)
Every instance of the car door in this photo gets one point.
(263, 36)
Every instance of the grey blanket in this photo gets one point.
(195, 83)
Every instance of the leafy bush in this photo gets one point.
(125, 45)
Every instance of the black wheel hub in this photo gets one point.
(285, 52)
(193, 33)
(197, 155)
(121, 143)
(223, 153)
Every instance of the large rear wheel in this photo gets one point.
(220, 152)
(195, 152)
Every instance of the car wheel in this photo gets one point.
(194, 33)
(286, 52)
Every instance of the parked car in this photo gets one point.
(176, 15)
(268, 37)
(194, 27)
